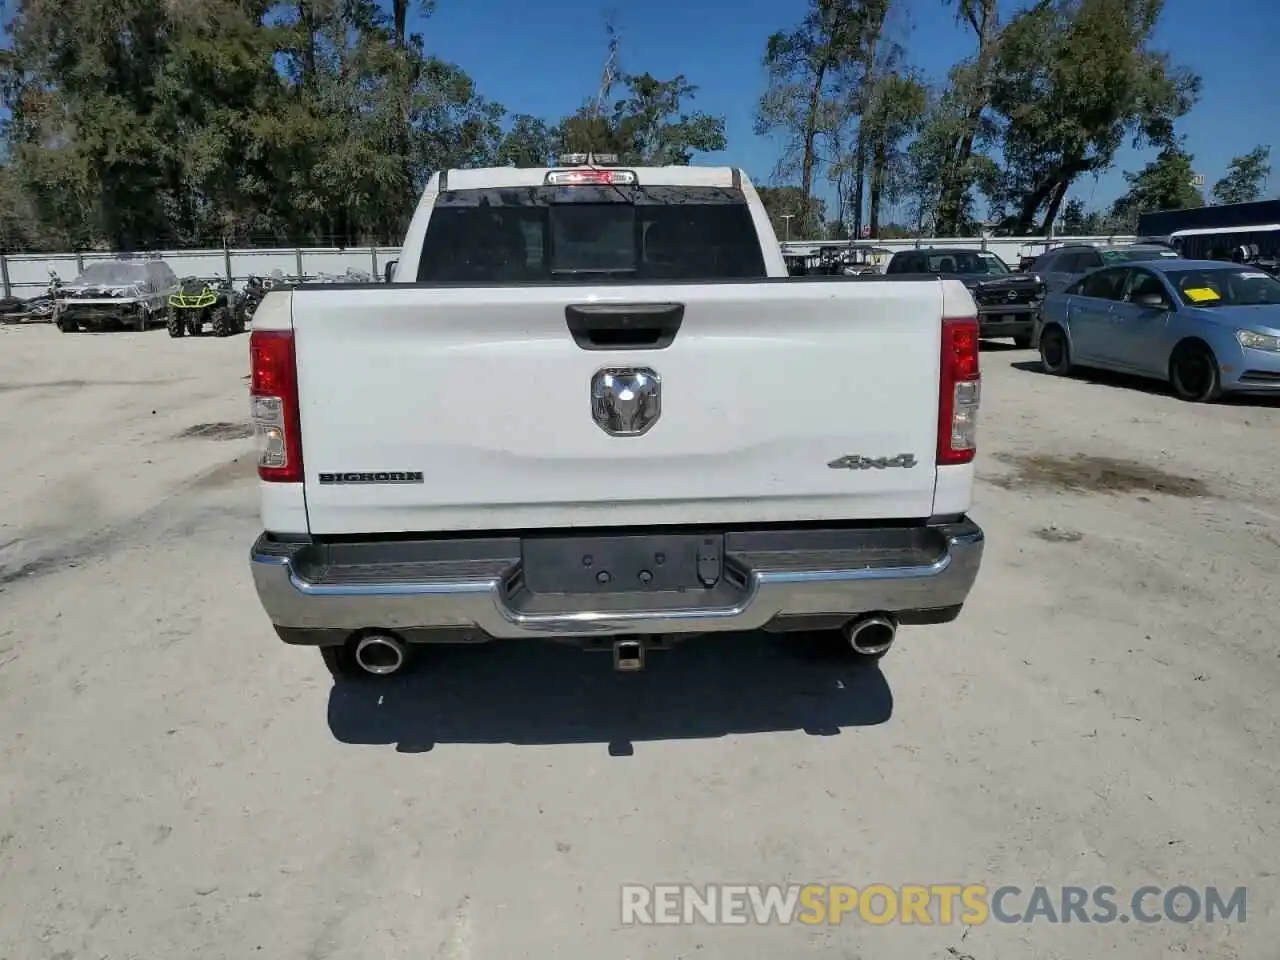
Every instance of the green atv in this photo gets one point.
(198, 302)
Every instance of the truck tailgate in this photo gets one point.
(485, 393)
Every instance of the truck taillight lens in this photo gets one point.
(273, 393)
(959, 391)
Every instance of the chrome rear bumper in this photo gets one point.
(473, 586)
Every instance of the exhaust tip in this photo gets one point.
(380, 654)
(873, 635)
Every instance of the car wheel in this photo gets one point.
(1194, 373)
(144, 319)
(174, 324)
(1055, 352)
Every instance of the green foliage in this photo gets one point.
(528, 142)
(1246, 177)
(947, 166)
(194, 122)
(149, 123)
(1074, 79)
(1041, 101)
(892, 113)
(647, 127)
(808, 214)
(1074, 219)
(802, 103)
(1076, 222)
(1163, 184)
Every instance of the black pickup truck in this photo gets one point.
(1007, 301)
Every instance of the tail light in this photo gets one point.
(959, 391)
(273, 393)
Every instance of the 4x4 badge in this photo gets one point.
(855, 462)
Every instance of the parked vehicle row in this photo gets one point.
(215, 303)
(114, 295)
(1062, 266)
(1007, 301)
(1207, 327)
(37, 309)
(837, 259)
(138, 294)
(1204, 326)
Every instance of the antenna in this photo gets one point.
(609, 75)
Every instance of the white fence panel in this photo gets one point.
(360, 259)
(260, 263)
(27, 274)
(190, 263)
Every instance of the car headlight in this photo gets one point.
(1258, 341)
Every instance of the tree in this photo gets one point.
(1073, 80)
(869, 59)
(649, 126)
(1246, 177)
(892, 115)
(942, 196)
(1073, 219)
(194, 122)
(1163, 184)
(800, 102)
(793, 213)
(528, 142)
(1076, 222)
(959, 118)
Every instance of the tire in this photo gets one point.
(1194, 373)
(1022, 341)
(221, 322)
(174, 323)
(143, 321)
(66, 326)
(341, 664)
(1055, 352)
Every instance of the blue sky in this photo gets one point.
(544, 57)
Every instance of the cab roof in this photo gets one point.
(495, 178)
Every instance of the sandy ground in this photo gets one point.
(174, 782)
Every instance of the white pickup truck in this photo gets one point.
(592, 406)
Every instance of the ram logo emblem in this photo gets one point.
(626, 401)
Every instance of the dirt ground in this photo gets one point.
(174, 782)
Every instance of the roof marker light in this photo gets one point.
(576, 178)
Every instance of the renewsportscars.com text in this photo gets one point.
(941, 904)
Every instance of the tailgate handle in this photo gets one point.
(619, 326)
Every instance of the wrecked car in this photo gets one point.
(115, 295)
